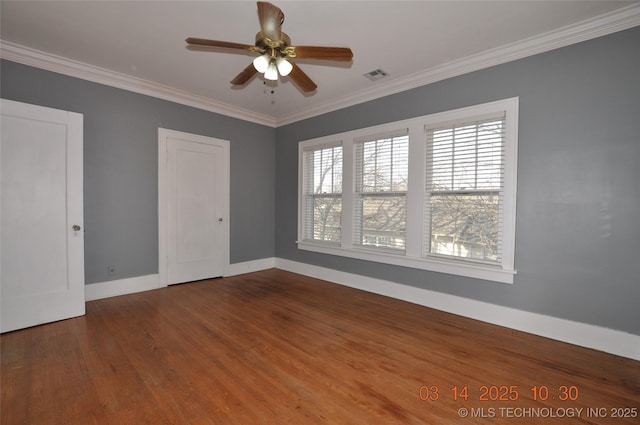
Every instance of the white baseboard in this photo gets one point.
(251, 266)
(96, 291)
(113, 288)
(582, 334)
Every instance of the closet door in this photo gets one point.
(193, 206)
(42, 233)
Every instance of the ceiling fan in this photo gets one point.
(276, 51)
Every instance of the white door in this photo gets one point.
(42, 233)
(193, 207)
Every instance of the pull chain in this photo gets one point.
(271, 89)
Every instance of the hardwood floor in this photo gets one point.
(278, 348)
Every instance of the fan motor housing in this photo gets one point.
(266, 43)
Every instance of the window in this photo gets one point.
(382, 170)
(322, 194)
(435, 192)
(465, 184)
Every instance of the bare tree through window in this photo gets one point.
(382, 168)
(465, 184)
(323, 194)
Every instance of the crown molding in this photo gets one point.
(615, 21)
(61, 65)
(621, 19)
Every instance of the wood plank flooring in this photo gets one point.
(278, 348)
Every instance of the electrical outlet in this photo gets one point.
(111, 270)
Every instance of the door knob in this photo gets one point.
(75, 227)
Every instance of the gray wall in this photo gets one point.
(578, 206)
(121, 168)
(577, 233)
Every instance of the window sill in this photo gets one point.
(474, 270)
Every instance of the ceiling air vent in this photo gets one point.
(376, 74)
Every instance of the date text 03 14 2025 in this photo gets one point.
(501, 393)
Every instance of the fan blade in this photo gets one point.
(301, 79)
(217, 43)
(245, 75)
(328, 53)
(271, 19)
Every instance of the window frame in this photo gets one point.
(304, 196)
(462, 124)
(360, 194)
(415, 254)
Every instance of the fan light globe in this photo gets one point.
(261, 63)
(272, 72)
(284, 67)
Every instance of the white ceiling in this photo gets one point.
(414, 42)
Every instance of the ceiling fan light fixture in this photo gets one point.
(272, 72)
(261, 63)
(275, 51)
(284, 66)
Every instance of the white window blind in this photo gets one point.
(465, 189)
(322, 169)
(380, 204)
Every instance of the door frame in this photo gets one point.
(163, 249)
